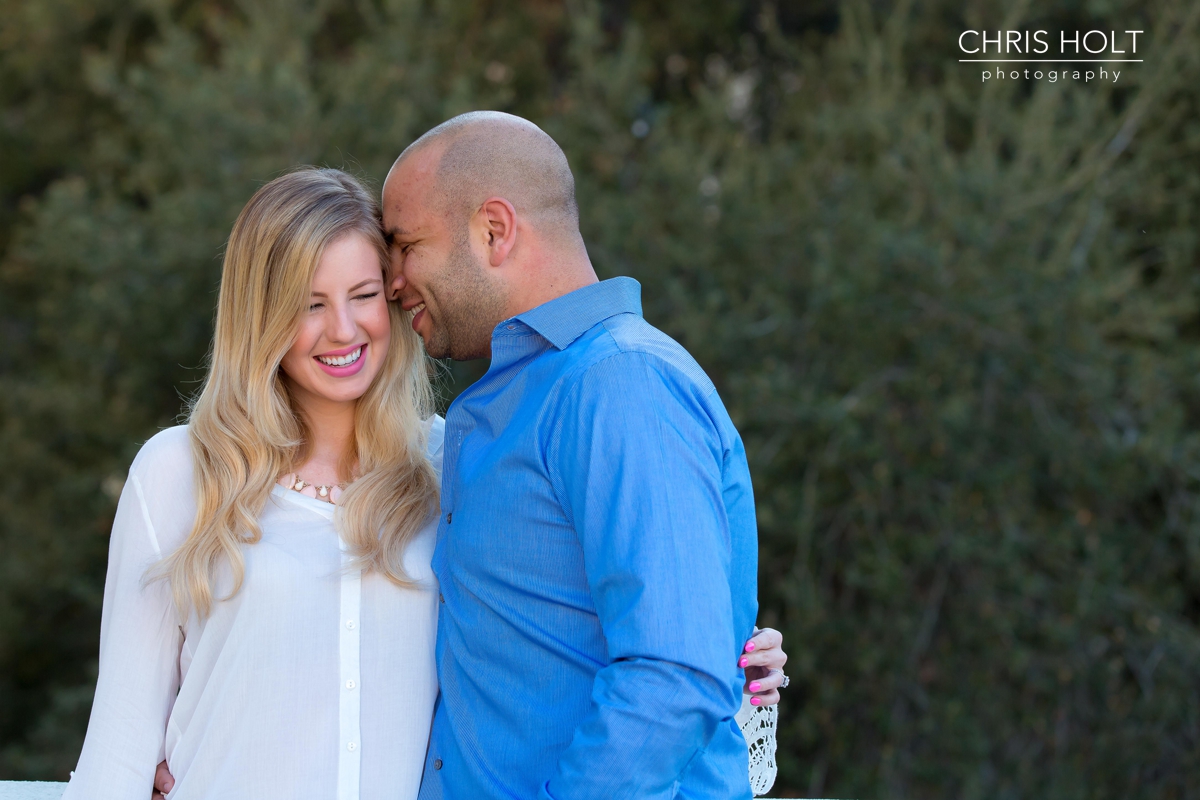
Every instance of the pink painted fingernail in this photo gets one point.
(743, 661)
(756, 701)
(754, 687)
(749, 647)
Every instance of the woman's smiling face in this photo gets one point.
(342, 339)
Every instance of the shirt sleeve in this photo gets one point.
(638, 463)
(435, 443)
(138, 680)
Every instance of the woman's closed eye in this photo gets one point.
(317, 306)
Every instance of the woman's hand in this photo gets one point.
(163, 781)
(763, 659)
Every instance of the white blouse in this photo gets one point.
(314, 681)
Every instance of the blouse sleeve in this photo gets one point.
(140, 640)
(436, 442)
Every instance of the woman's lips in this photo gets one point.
(345, 370)
(345, 351)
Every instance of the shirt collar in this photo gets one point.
(564, 319)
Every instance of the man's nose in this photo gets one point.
(396, 283)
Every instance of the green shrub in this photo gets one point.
(954, 321)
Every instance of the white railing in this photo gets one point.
(31, 790)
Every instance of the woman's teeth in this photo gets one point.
(341, 361)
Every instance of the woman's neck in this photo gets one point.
(331, 431)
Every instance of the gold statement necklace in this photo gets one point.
(330, 492)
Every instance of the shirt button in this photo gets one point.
(350, 684)
(349, 624)
(437, 763)
(441, 597)
(512, 327)
(449, 516)
(352, 746)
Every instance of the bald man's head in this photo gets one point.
(492, 154)
(482, 225)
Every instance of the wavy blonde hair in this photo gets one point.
(244, 427)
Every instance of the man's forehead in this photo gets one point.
(402, 212)
(406, 190)
(404, 220)
(418, 168)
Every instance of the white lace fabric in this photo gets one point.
(758, 725)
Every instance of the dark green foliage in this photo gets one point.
(955, 322)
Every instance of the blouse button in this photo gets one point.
(352, 746)
(350, 684)
(350, 624)
(437, 763)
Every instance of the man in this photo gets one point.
(597, 552)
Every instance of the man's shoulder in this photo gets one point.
(629, 338)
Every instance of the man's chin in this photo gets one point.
(440, 344)
(435, 347)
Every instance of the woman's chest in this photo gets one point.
(300, 584)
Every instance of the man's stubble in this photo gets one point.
(468, 306)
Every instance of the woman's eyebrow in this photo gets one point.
(353, 288)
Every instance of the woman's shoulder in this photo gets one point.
(163, 468)
(160, 481)
(169, 450)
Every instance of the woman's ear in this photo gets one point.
(497, 222)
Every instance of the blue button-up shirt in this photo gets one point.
(597, 556)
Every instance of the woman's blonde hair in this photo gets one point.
(244, 426)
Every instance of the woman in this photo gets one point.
(259, 642)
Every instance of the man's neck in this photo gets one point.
(546, 270)
(552, 290)
(550, 272)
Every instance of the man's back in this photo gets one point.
(597, 555)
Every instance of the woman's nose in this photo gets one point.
(342, 325)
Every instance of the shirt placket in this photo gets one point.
(349, 703)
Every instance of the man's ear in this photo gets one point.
(497, 221)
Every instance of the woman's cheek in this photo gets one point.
(300, 352)
(379, 328)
